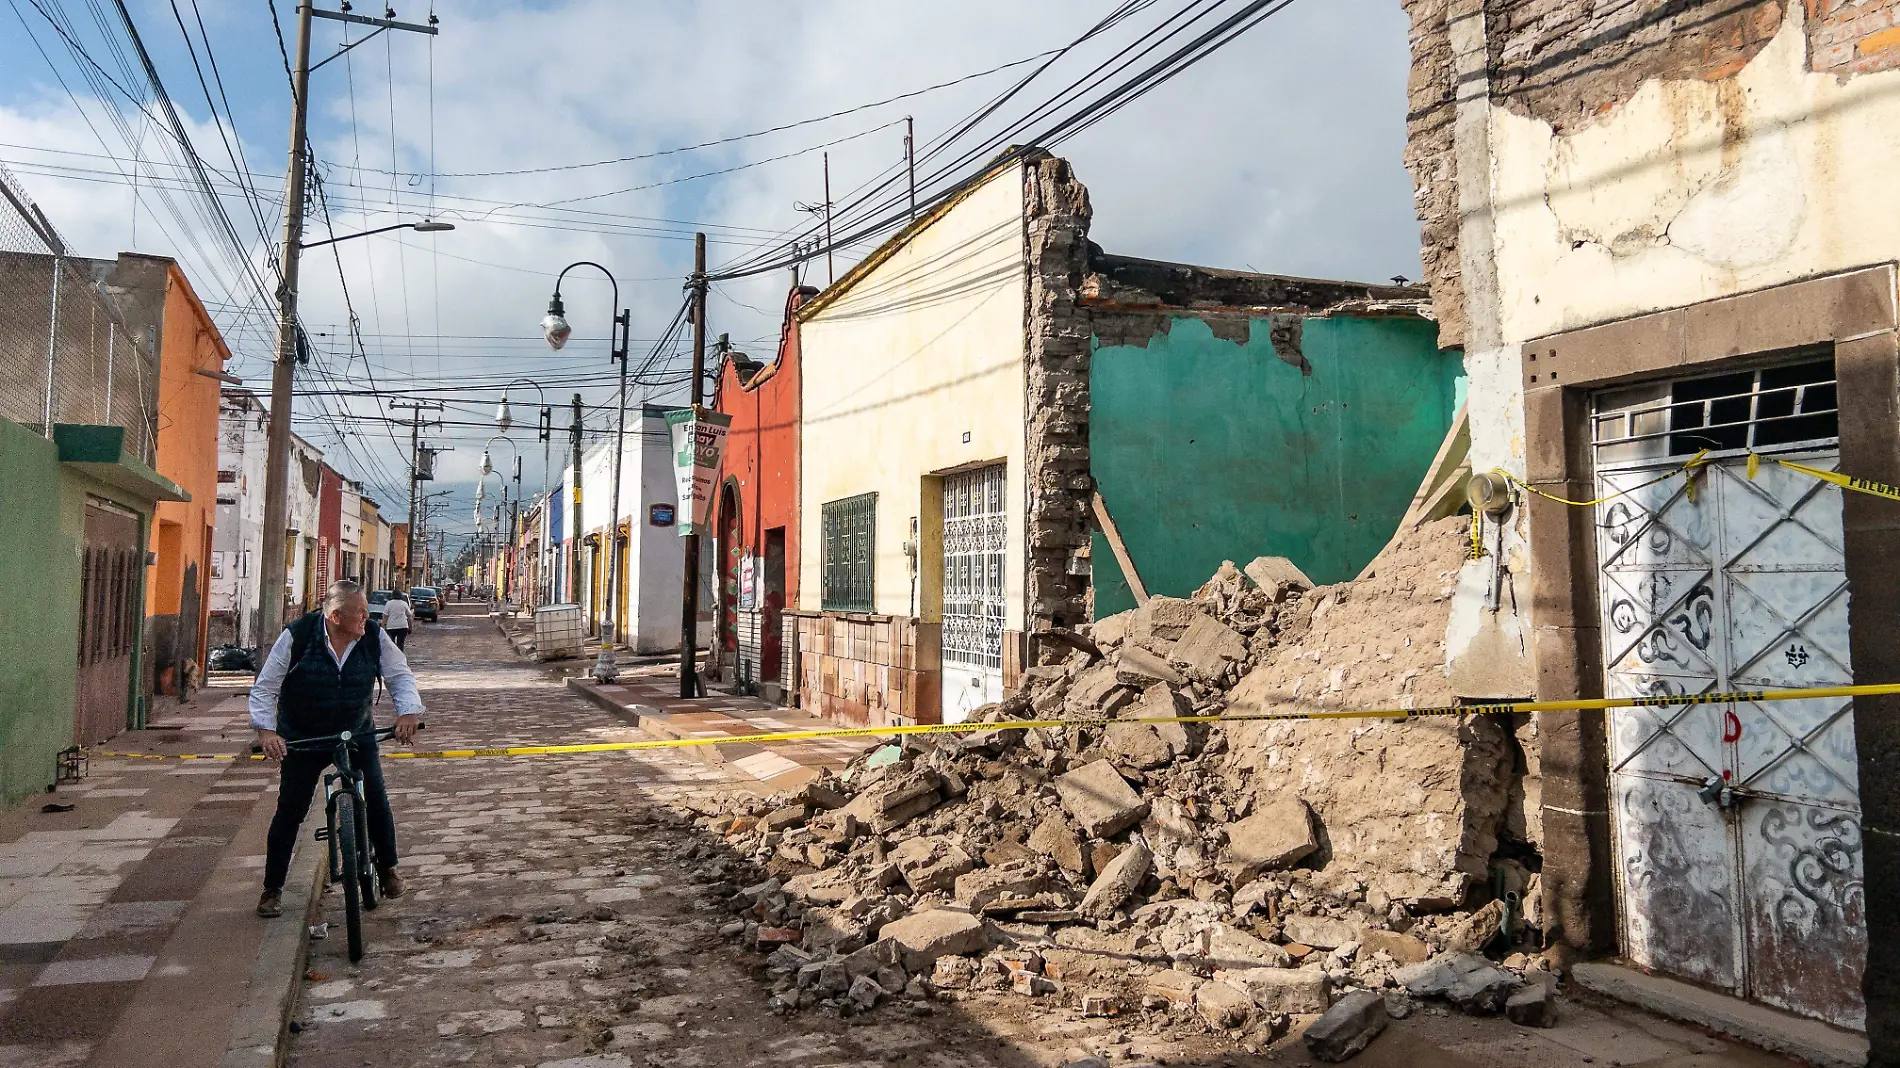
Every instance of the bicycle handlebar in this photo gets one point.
(378, 733)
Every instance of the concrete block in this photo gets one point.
(931, 864)
(1402, 948)
(1222, 1006)
(1320, 932)
(1231, 947)
(925, 936)
(1290, 990)
(1118, 881)
(1468, 981)
(1137, 666)
(1277, 836)
(1174, 987)
(1348, 1027)
(1278, 577)
(1533, 1006)
(1054, 838)
(1207, 647)
(1100, 799)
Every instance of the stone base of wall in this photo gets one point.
(868, 670)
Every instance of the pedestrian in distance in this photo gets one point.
(318, 680)
(397, 619)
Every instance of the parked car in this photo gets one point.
(379, 604)
(425, 601)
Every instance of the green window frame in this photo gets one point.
(850, 537)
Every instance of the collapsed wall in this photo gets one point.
(1413, 810)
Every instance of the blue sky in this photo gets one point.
(1280, 153)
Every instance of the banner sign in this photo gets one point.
(699, 442)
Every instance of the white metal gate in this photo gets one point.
(975, 533)
(1738, 837)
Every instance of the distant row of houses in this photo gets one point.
(336, 529)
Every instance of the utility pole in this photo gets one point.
(270, 599)
(415, 467)
(699, 257)
(574, 550)
(910, 161)
(689, 587)
(270, 594)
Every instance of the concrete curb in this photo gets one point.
(1758, 1025)
(261, 1026)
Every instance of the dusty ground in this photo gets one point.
(559, 917)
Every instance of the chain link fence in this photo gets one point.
(66, 353)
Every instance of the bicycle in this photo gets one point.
(346, 830)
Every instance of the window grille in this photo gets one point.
(1771, 407)
(850, 535)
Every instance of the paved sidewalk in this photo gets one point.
(651, 700)
(126, 928)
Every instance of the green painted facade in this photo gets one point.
(1207, 449)
(42, 530)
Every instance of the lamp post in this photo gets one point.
(488, 467)
(555, 326)
(426, 226)
(544, 429)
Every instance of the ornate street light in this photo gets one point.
(556, 327)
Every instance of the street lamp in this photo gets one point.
(545, 431)
(426, 226)
(556, 327)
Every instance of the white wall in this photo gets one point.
(650, 597)
(915, 369)
(239, 535)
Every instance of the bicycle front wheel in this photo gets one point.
(349, 848)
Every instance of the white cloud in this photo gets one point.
(1282, 153)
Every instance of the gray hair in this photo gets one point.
(341, 593)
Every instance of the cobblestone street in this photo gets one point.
(551, 918)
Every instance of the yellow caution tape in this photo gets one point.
(1696, 462)
(1858, 485)
(1578, 705)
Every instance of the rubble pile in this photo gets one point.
(1178, 872)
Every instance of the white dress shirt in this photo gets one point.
(396, 615)
(400, 681)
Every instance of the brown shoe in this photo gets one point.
(390, 882)
(270, 904)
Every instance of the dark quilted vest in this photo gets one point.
(317, 698)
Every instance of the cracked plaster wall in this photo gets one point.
(1770, 161)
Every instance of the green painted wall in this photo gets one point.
(1208, 450)
(42, 520)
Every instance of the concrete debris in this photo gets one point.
(1224, 874)
(1348, 1027)
(1533, 1006)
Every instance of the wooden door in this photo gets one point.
(113, 564)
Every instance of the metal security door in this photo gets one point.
(112, 568)
(1738, 840)
(975, 533)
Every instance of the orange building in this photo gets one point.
(160, 304)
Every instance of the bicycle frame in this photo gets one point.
(343, 776)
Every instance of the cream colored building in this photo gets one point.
(1663, 235)
(917, 503)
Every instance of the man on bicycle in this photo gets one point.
(319, 680)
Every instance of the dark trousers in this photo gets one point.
(300, 774)
(398, 635)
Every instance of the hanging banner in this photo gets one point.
(699, 442)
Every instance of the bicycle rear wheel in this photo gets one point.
(349, 848)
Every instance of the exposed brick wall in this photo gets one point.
(1569, 62)
(1853, 36)
(1056, 478)
(1429, 158)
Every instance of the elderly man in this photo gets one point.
(319, 680)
